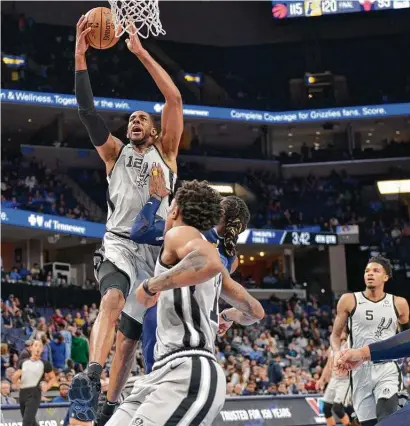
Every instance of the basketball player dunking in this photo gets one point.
(186, 386)
(372, 316)
(121, 264)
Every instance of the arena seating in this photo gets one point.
(30, 185)
(248, 85)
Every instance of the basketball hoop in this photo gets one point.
(136, 16)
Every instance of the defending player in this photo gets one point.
(149, 229)
(121, 264)
(372, 316)
(187, 386)
(336, 390)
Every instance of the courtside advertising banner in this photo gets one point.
(275, 411)
(242, 411)
(206, 112)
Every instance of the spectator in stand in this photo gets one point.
(14, 361)
(18, 320)
(30, 309)
(5, 358)
(57, 318)
(23, 272)
(65, 331)
(26, 352)
(275, 370)
(79, 320)
(41, 329)
(79, 349)
(7, 319)
(9, 377)
(14, 274)
(93, 312)
(46, 355)
(35, 271)
(6, 399)
(63, 397)
(58, 351)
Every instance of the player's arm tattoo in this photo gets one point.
(195, 268)
(246, 309)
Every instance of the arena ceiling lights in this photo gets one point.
(397, 187)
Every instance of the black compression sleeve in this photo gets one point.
(95, 125)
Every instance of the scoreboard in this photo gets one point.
(307, 8)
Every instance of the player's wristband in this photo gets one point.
(225, 318)
(146, 289)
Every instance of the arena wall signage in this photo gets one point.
(279, 237)
(83, 228)
(56, 224)
(244, 411)
(214, 113)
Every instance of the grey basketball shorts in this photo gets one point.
(187, 391)
(136, 261)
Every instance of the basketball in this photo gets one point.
(102, 35)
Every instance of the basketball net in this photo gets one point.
(136, 16)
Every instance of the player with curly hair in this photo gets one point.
(187, 385)
(372, 316)
(149, 229)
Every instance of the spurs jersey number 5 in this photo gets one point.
(128, 187)
(187, 318)
(372, 321)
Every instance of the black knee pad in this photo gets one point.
(109, 276)
(339, 410)
(327, 410)
(385, 407)
(130, 327)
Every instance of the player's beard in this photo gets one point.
(138, 142)
(371, 287)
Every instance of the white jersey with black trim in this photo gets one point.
(370, 322)
(128, 187)
(187, 318)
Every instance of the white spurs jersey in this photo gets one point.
(128, 187)
(371, 321)
(187, 318)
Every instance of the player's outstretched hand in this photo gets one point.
(81, 44)
(157, 184)
(133, 42)
(320, 385)
(337, 368)
(351, 358)
(144, 299)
